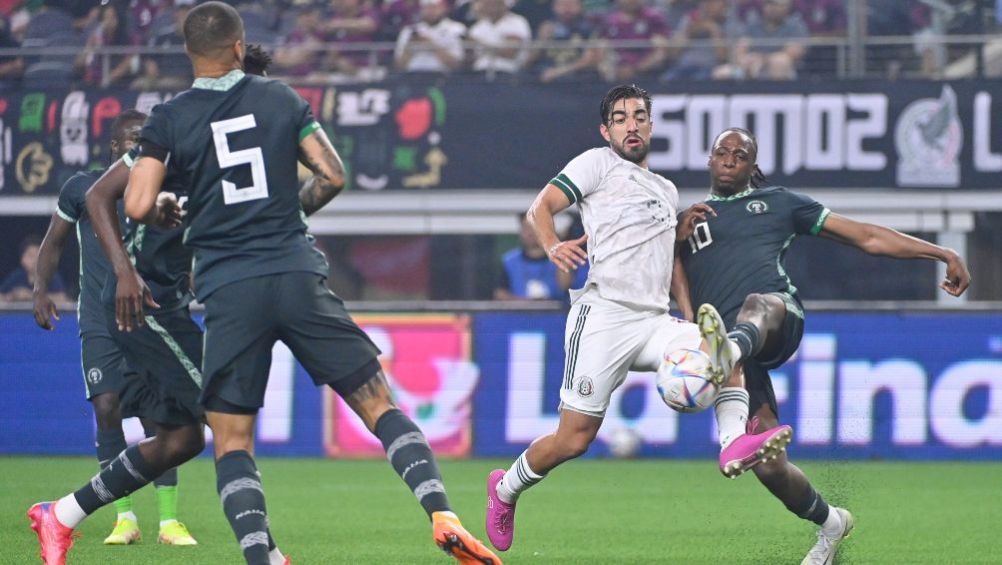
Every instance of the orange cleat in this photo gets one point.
(54, 538)
(453, 538)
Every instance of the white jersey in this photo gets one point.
(629, 216)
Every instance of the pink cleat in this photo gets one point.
(500, 515)
(749, 450)
(54, 538)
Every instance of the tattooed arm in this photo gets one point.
(320, 157)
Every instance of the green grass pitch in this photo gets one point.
(595, 511)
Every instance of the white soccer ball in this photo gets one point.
(624, 443)
(682, 381)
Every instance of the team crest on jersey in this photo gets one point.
(585, 386)
(757, 207)
(94, 376)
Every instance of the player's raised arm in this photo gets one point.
(566, 255)
(48, 259)
(145, 180)
(318, 155)
(879, 240)
(131, 292)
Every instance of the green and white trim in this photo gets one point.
(308, 129)
(717, 198)
(182, 358)
(222, 84)
(566, 186)
(65, 216)
(820, 223)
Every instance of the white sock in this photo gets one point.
(735, 351)
(732, 414)
(275, 557)
(165, 523)
(130, 515)
(519, 478)
(68, 511)
(832, 527)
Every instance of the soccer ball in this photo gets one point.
(682, 381)
(624, 443)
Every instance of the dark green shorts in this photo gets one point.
(165, 355)
(244, 319)
(756, 370)
(104, 365)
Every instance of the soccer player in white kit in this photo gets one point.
(619, 321)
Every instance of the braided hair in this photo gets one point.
(256, 61)
(757, 177)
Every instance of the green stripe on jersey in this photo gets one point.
(310, 128)
(570, 191)
(821, 221)
(128, 160)
(65, 216)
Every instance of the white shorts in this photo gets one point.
(604, 340)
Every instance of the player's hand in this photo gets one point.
(958, 278)
(168, 211)
(130, 296)
(688, 219)
(45, 310)
(569, 255)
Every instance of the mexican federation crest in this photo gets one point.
(928, 138)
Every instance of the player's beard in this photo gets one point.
(636, 154)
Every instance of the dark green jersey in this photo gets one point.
(740, 251)
(159, 255)
(235, 141)
(94, 266)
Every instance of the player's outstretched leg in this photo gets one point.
(574, 434)
(110, 441)
(172, 532)
(135, 467)
(739, 451)
(411, 457)
(789, 484)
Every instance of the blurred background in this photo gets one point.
(451, 115)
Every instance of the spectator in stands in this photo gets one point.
(143, 16)
(709, 22)
(351, 21)
(893, 18)
(170, 71)
(500, 38)
(11, 68)
(20, 283)
(676, 10)
(300, 55)
(778, 59)
(633, 21)
(109, 32)
(51, 26)
(571, 27)
(527, 273)
(824, 18)
(432, 45)
(395, 15)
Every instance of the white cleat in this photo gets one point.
(823, 552)
(713, 330)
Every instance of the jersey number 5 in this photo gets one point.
(700, 237)
(253, 157)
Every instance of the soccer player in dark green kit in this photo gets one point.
(732, 248)
(237, 141)
(103, 364)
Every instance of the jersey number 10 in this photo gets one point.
(700, 237)
(227, 158)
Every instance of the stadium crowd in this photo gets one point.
(550, 40)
